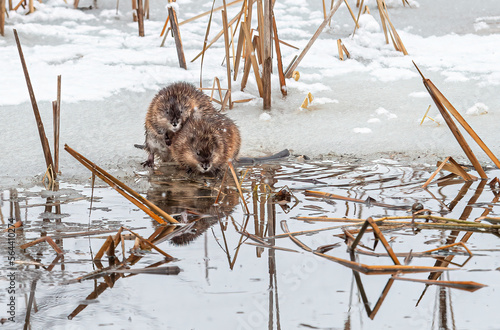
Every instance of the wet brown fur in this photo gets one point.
(205, 145)
(168, 112)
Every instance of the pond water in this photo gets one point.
(233, 269)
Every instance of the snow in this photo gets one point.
(109, 76)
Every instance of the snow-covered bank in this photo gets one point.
(365, 107)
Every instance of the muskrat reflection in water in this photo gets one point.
(175, 193)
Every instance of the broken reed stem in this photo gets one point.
(288, 74)
(144, 240)
(177, 37)
(41, 130)
(461, 285)
(47, 239)
(251, 54)
(152, 210)
(2, 17)
(267, 43)
(140, 17)
(205, 40)
(235, 177)
(435, 173)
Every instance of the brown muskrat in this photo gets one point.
(169, 110)
(205, 145)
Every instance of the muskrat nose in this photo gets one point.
(205, 166)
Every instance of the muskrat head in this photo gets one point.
(203, 150)
(173, 112)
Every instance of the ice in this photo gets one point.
(109, 76)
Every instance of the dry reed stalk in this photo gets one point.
(324, 10)
(379, 235)
(440, 167)
(443, 105)
(250, 53)
(380, 7)
(396, 40)
(10, 4)
(209, 12)
(41, 130)
(426, 116)
(205, 40)
(290, 70)
(56, 108)
(339, 48)
(18, 224)
(235, 177)
(464, 124)
(152, 210)
(461, 285)
(134, 10)
(260, 29)
(47, 239)
(281, 74)
(31, 7)
(258, 47)
(456, 169)
(239, 50)
(163, 30)
(378, 270)
(359, 14)
(228, 62)
(19, 5)
(462, 244)
(2, 17)
(350, 199)
(352, 14)
(285, 229)
(267, 44)
(233, 31)
(140, 17)
(103, 248)
(268, 246)
(148, 242)
(246, 71)
(217, 36)
(177, 37)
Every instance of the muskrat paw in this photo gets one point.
(148, 163)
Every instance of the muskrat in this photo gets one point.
(169, 110)
(205, 145)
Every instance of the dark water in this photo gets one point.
(216, 278)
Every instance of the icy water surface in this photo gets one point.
(219, 278)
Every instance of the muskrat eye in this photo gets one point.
(198, 153)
